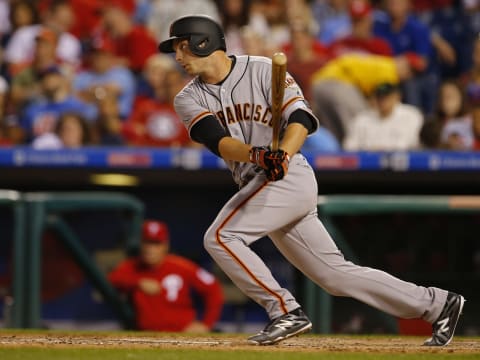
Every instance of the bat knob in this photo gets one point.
(279, 58)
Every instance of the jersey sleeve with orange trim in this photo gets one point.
(189, 108)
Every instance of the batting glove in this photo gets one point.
(278, 171)
(266, 158)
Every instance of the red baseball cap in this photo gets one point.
(155, 231)
(358, 9)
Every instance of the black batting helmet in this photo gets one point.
(204, 35)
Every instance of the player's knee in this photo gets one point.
(214, 238)
(331, 284)
(209, 241)
(333, 289)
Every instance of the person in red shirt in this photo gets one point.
(362, 38)
(305, 54)
(153, 121)
(134, 44)
(160, 286)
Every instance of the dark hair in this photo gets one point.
(463, 106)
(241, 20)
(430, 133)
(385, 89)
(86, 136)
(55, 4)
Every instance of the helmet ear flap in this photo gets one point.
(201, 44)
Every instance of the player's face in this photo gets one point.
(153, 253)
(191, 63)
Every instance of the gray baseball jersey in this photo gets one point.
(285, 210)
(242, 104)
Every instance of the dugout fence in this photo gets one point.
(34, 212)
(319, 304)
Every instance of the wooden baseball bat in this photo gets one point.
(279, 70)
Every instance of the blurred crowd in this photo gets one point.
(380, 75)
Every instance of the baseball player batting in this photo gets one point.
(227, 107)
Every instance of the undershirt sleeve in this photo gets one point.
(208, 132)
(304, 118)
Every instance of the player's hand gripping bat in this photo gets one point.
(279, 70)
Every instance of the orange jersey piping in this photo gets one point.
(198, 117)
(242, 265)
(291, 101)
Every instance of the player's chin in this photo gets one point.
(188, 69)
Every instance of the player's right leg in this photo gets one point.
(255, 211)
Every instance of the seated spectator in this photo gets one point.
(160, 286)
(132, 43)
(25, 83)
(305, 54)
(334, 20)
(72, 132)
(430, 134)
(234, 15)
(88, 16)
(154, 121)
(104, 78)
(269, 19)
(451, 35)
(361, 39)
(342, 87)
(407, 35)
(14, 15)
(108, 127)
(41, 116)
(388, 126)
(451, 112)
(60, 18)
(253, 42)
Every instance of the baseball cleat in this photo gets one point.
(444, 326)
(281, 328)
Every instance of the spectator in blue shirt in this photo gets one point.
(42, 115)
(452, 36)
(408, 36)
(106, 78)
(333, 18)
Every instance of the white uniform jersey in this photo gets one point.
(241, 103)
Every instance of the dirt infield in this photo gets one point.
(304, 343)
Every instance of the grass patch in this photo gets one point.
(187, 354)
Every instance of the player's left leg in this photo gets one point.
(309, 247)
